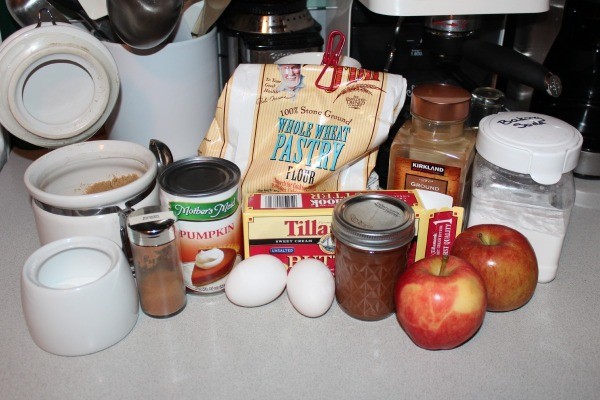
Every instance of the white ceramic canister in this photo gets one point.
(4, 141)
(203, 193)
(57, 183)
(522, 178)
(169, 93)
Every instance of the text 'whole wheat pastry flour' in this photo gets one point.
(289, 129)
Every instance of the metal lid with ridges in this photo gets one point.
(373, 221)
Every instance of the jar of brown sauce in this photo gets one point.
(372, 233)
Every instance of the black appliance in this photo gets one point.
(575, 56)
(262, 31)
(460, 49)
(463, 50)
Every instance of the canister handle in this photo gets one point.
(162, 153)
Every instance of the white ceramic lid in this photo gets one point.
(58, 84)
(541, 146)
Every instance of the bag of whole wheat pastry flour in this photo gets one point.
(295, 127)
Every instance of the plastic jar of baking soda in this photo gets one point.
(522, 178)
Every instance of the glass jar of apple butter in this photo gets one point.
(372, 233)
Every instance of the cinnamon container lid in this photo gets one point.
(440, 102)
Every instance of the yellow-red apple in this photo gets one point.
(440, 302)
(505, 260)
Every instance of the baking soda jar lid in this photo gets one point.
(541, 146)
(373, 221)
(199, 177)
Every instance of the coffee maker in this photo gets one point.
(468, 43)
(462, 42)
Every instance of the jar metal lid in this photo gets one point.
(539, 145)
(373, 221)
(151, 226)
(199, 177)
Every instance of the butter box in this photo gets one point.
(293, 226)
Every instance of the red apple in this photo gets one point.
(505, 260)
(440, 302)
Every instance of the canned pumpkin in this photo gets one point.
(203, 193)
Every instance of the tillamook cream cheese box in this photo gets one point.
(293, 226)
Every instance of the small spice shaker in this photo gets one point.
(372, 234)
(156, 261)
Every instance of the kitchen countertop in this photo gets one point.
(549, 349)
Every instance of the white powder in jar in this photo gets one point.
(522, 178)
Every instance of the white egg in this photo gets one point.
(256, 281)
(311, 287)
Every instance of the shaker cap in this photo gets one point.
(440, 102)
(151, 226)
(539, 145)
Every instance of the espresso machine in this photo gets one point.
(462, 42)
(468, 43)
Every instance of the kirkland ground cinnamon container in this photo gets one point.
(372, 233)
(203, 193)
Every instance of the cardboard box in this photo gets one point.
(293, 226)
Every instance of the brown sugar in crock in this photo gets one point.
(109, 184)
